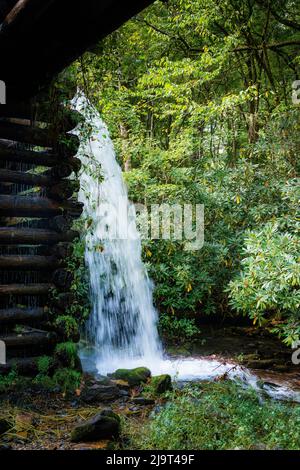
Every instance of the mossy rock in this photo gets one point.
(104, 425)
(133, 376)
(161, 384)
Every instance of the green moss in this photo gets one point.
(66, 353)
(161, 384)
(133, 376)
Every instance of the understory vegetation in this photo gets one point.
(198, 99)
(219, 416)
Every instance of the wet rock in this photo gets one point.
(4, 426)
(133, 376)
(161, 384)
(102, 380)
(143, 401)
(98, 393)
(104, 425)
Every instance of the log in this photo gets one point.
(36, 136)
(30, 338)
(22, 206)
(65, 119)
(26, 178)
(7, 153)
(24, 366)
(62, 191)
(26, 289)
(62, 250)
(58, 223)
(22, 314)
(24, 262)
(60, 171)
(28, 236)
(62, 279)
(25, 134)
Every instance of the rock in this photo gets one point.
(102, 380)
(260, 364)
(104, 425)
(4, 426)
(143, 401)
(133, 376)
(99, 393)
(161, 384)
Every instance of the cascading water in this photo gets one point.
(122, 325)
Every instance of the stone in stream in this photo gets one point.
(161, 384)
(104, 425)
(134, 377)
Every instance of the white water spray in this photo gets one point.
(122, 325)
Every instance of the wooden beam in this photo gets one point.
(22, 314)
(30, 338)
(26, 289)
(28, 236)
(22, 206)
(24, 262)
(26, 178)
(34, 136)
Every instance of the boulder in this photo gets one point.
(104, 425)
(161, 384)
(133, 376)
(98, 393)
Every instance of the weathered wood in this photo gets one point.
(62, 190)
(26, 178)
(30, 338)
(22, 206)
(60, 171)
(24, 366)
(59, 223)
(65, 119)
(26, 289)
(22, 262)
(10, 154)
(28, 236)
(35, 136)
(25, 134)
(62, 250)
(12, 315)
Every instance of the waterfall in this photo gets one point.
(122, 324)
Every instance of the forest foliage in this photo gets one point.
(197, 95)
